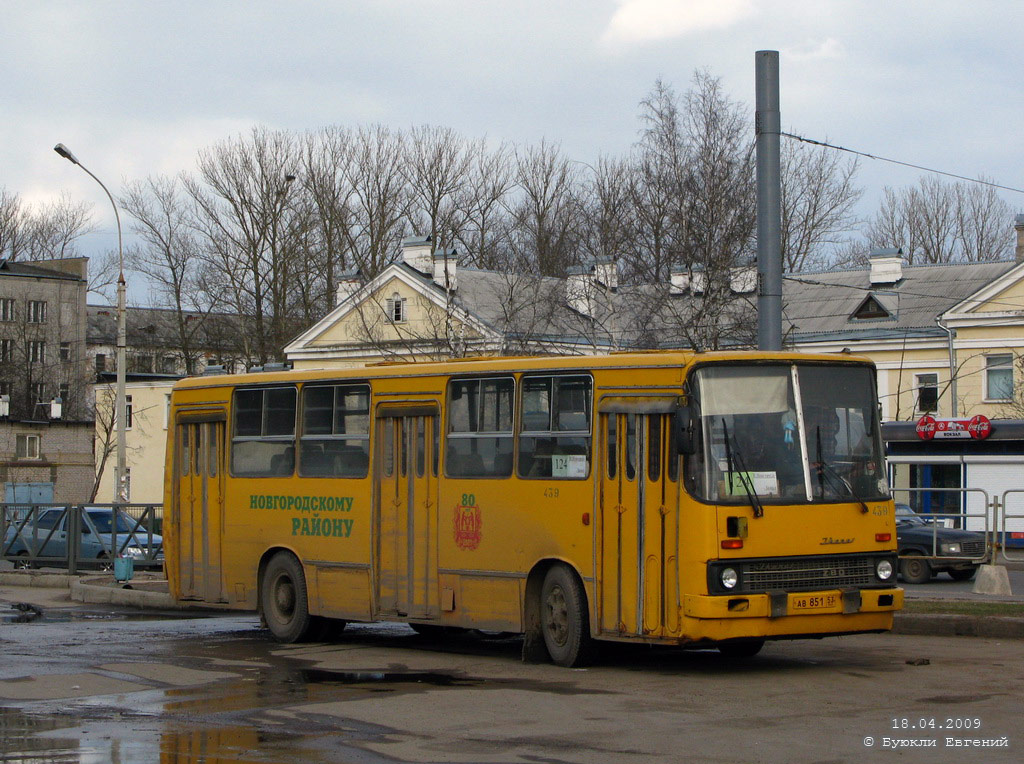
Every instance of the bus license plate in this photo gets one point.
(815, 601)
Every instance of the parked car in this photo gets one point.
(923, 542)
(43, 533)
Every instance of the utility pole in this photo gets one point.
(767, 126)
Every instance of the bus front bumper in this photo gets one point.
(781, 604)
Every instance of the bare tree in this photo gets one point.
(939, 222)
(169, 255)
(438, 172)
(327, 156)
(380, 196)
(818, 201)
(241, 212)
(547, 212)
(484, 235)
(607, 209)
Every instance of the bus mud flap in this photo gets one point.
(779, 604)
(851, 601)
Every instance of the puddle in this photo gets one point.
(437, 679)
(56, 615)
(20, 739)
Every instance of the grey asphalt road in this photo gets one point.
(86, 684)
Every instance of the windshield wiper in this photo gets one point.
(744, 476)
(826, 469)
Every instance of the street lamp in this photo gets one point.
(120, 473)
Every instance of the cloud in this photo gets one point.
(642, 20)
(829, 48)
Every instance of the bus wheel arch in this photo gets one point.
(284, 597)
(557, 616)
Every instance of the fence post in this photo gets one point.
(74, 541)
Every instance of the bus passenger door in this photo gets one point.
(638, 525)
(406, 476)
(199, 471)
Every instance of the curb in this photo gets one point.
(83, 590)
(37, 578)
(945, 625)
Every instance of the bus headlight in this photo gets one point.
(884, 570)
(949, 548)
(729, 578)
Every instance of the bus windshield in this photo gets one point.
(791, 434)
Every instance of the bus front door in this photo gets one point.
(639, 517)
(200, 498)
(407, 513)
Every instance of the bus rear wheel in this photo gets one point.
(564, 621)
(283, 599)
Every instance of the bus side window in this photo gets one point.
(630, 446)
(335, 438)
(387, 447)
(654, 448)
(612, 420)
(480, 437)
(263, 432)
(554, 433)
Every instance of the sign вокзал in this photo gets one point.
(978, 427)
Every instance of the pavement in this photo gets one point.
(149, 591)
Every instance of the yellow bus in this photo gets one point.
(695, 499)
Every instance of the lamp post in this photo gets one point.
(120, 473)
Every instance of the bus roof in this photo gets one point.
(492, 364)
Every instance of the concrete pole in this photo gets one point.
(767, 125)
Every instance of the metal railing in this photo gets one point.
(81, 536)
(1010, 532)
(982, 518)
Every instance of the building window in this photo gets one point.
(37, 311)
(396, 309)
(999, 377)
(141, 363)
(38, 392)
(6, 309)
(36, 351)
(927, 393)
(6, 350)
(64, 392)
(167, 409)
(65, 351)
(101, 363)
(27, 447)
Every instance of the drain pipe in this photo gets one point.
(950, 333)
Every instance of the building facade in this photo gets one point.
(45, 384)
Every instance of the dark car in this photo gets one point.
(43, 533)
(924, 542)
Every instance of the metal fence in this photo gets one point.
(81, 536)
(997, 519)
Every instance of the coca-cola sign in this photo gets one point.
(977, 427)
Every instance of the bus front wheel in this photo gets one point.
(283, 598)
(563, 616)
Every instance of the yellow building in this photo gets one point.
(145, 439)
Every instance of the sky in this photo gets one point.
(136, 89)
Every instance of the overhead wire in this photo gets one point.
(828, 145)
